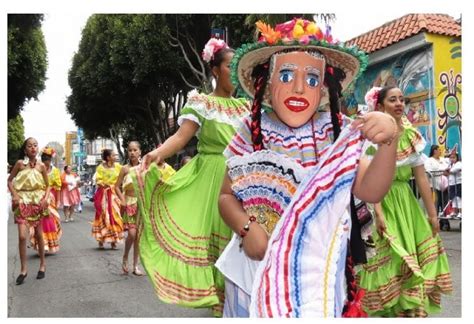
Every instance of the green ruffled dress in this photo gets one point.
(410, 269)
(182, 233)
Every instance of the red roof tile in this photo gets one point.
(404, 27)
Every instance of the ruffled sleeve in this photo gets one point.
(410, 147)
(201, 107)
(241, 143)
(191, 110)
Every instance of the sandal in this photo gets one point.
(125, 266)
(113, 246)
(137, 272)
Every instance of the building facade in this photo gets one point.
(421, 54)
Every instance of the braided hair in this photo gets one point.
(260, 75)
(333, 77)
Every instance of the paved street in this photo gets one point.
(83, 281)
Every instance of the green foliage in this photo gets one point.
(126, 72)
(27, 60)
(123, 68)
(16, 137)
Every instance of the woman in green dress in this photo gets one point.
(183, 233)
(410, 269)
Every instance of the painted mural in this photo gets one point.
(430, 78)
(448, 91)
(412, 72)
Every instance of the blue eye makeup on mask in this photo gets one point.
(286, 75)
(312, 80)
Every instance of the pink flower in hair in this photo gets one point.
(371, 98)
(212, 47)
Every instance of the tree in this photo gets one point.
(189, 33)
(27, 60)
(126, 72)
(123, 71)
(16, 137)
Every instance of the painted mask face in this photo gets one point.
(394, 103)
(295, 87)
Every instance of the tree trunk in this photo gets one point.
(115, 137)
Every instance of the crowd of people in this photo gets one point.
(272, 230)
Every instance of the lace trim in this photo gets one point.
(414, 159)
(190, 117)
(256, 159)
(212, 109)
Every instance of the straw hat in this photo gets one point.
(298, 34)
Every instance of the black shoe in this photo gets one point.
(41, 275)
(21, 278)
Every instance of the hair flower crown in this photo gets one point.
(372, 97)
(212, 47)
(48, 151)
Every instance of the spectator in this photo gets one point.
(454, 173)
(434, 166)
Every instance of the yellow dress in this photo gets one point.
(51, 224)
(130, 212)
(107, 226)
(30, 186)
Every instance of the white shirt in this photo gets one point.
(71, 181)
(455, 174)
(433, 167)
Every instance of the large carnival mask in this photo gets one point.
(295, 85)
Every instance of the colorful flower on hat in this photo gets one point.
(211, 48)
(298, 29)
(268, 34)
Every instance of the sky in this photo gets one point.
(62, 33)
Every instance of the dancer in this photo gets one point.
(287, 193)
(455, 183)
(183, 234)
(410, 270)
(28, 184)
(51, 224)
(70, 195)
(129, 206)
(107, 226)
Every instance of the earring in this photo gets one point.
(26, 160)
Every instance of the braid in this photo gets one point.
(332, 79)
(350, 279)
(260, 75)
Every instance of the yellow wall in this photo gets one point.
(448, 103)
